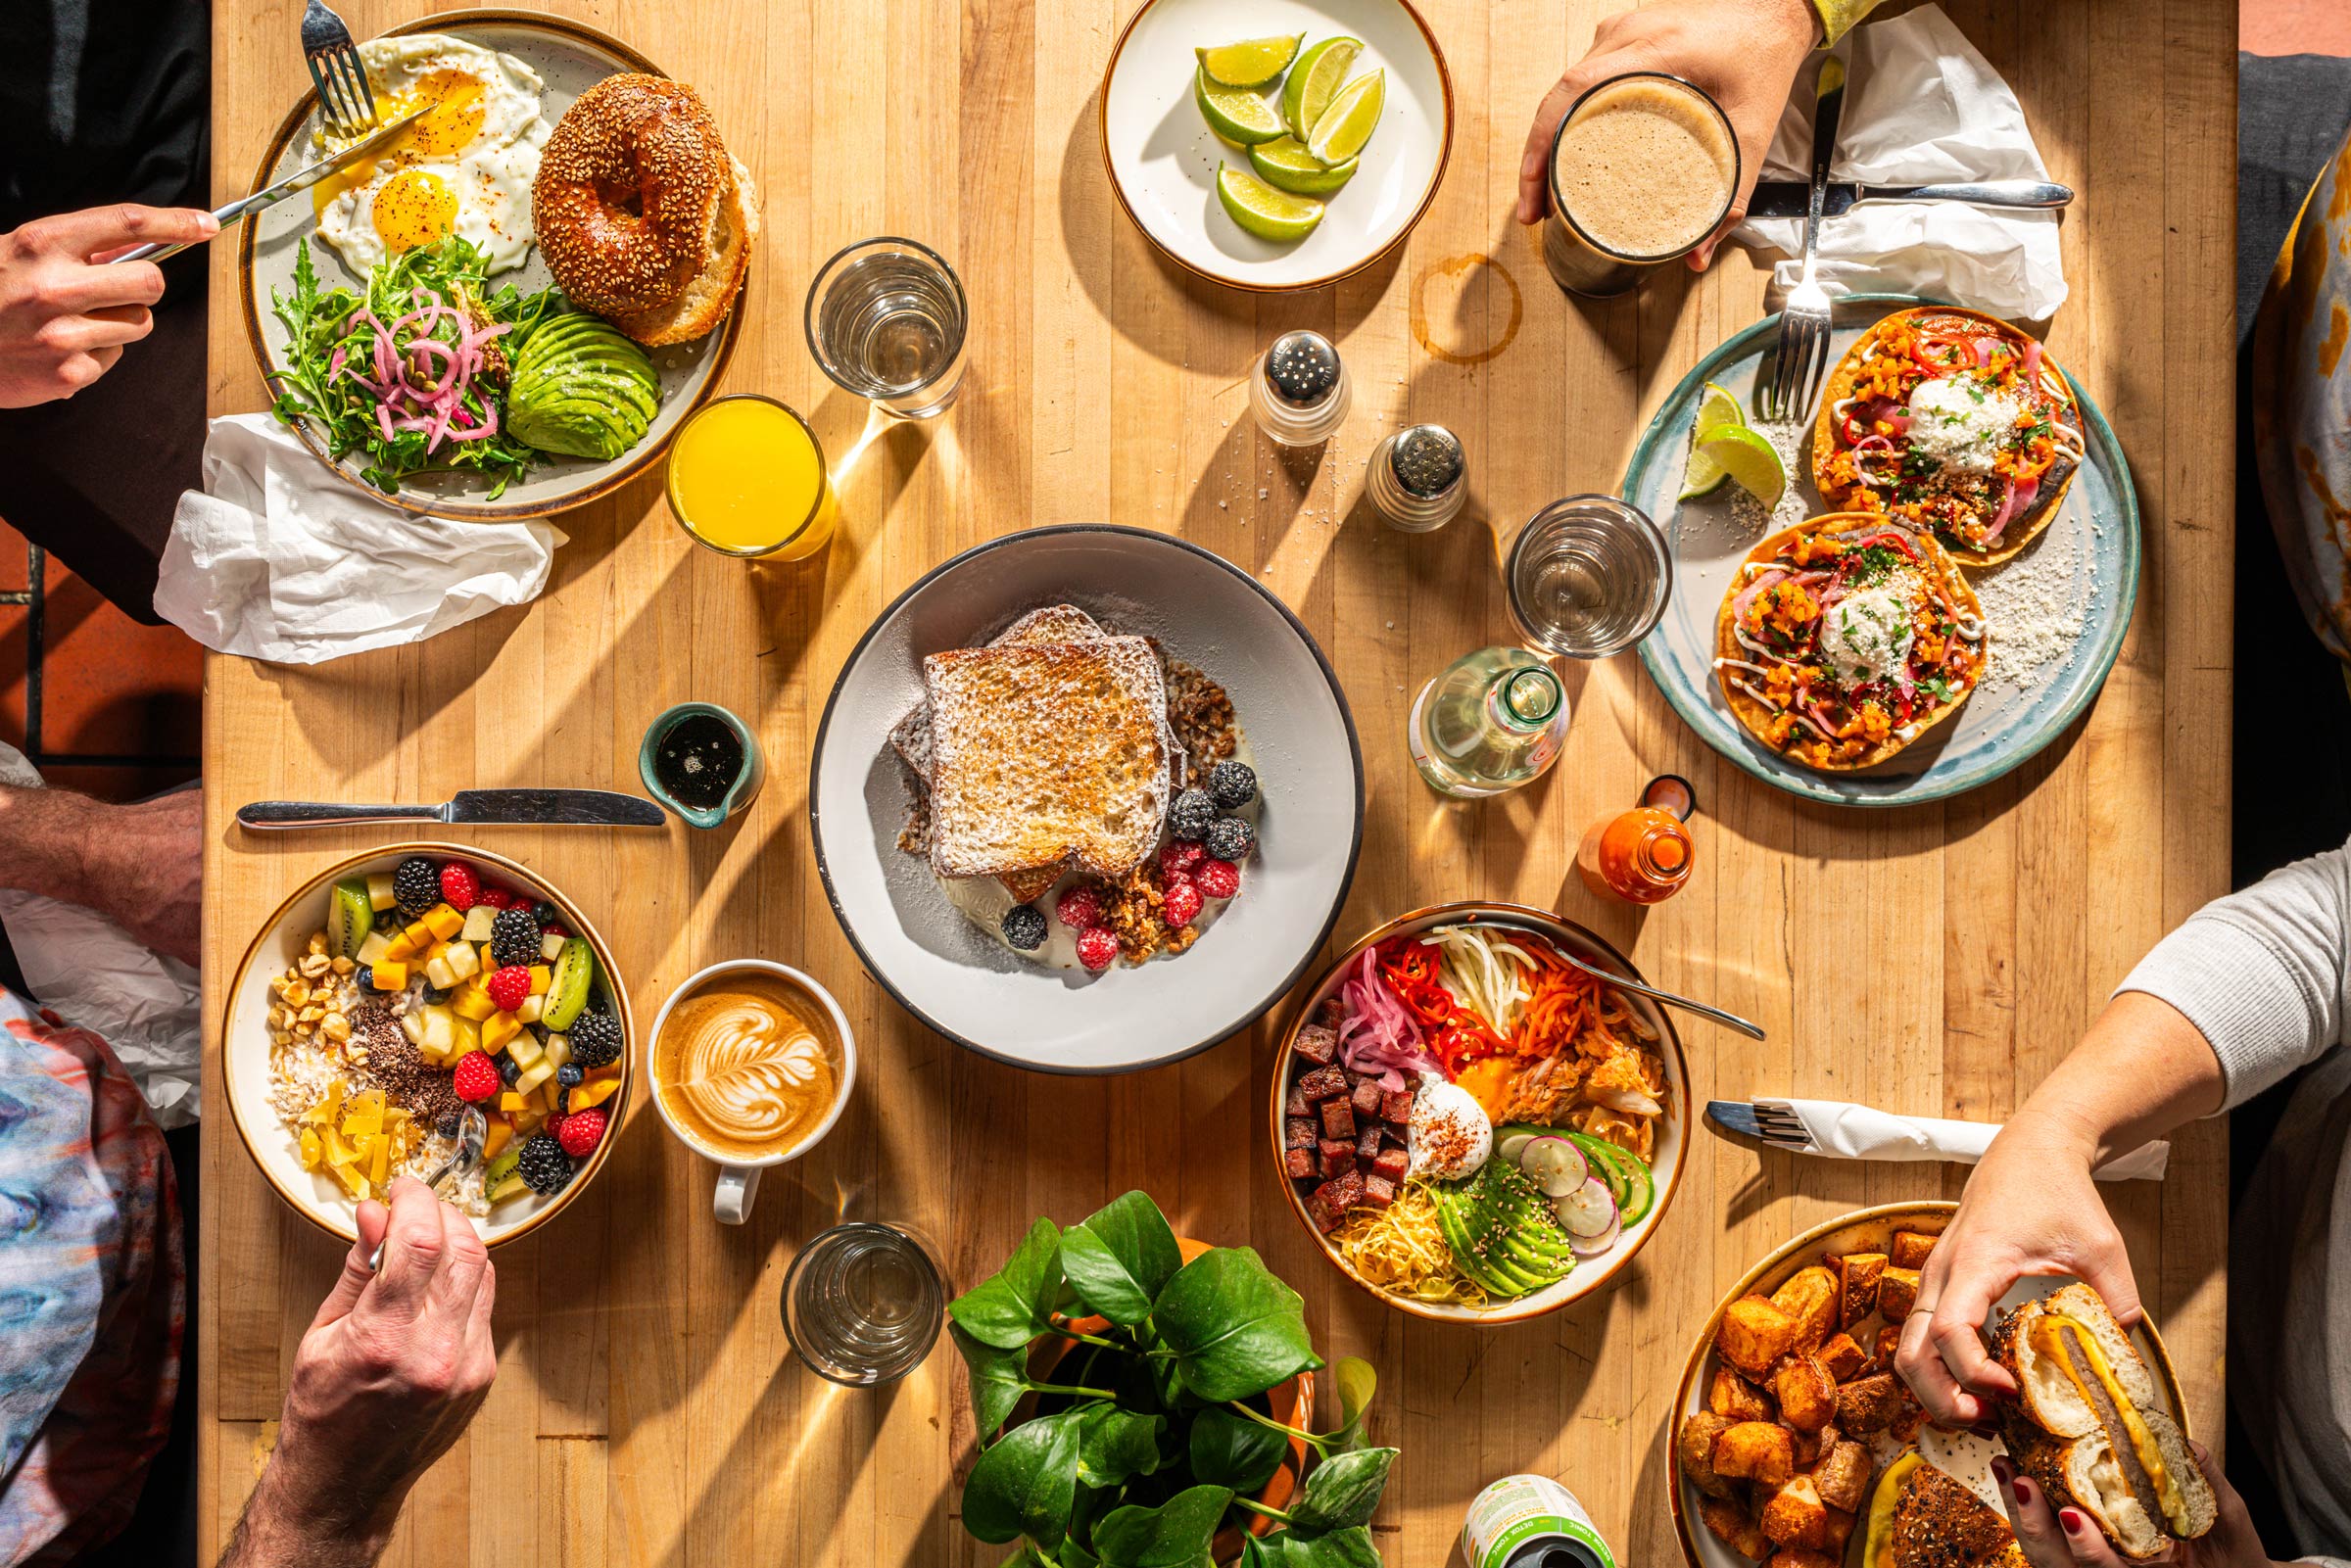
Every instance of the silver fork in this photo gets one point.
(470, 1132)
(346, 100)
(1729, 1020)
(1775, 1122)
(1804, 318)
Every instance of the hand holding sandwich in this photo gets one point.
(2064, 1538)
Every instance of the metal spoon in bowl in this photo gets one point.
(1729, 1020)
(472, 1131)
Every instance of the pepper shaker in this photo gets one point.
(1418, 478)
(1299, 391)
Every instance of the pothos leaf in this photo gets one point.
(1015, 1305)
(1235, 1329)
(1175, 1535)
(998, 1380)
(1121, 1258)
(1343, 1489)
(1230, 1451)
(1356, 1381)
(1114, 1445)
(1025, 1484)
(1350, 1548)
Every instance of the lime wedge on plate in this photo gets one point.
(1313, 80)
(1235, 114)
(1288, 166)
(1716, 409)
(1750, 461)
(1251, 62)
(1263, 210)
(1341, 131)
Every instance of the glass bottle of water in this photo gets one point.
(1493, 721)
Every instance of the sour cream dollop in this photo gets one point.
(1450, 1135)
(1959, 423)
(1867, 634)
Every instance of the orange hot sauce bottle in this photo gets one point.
(1644, 855)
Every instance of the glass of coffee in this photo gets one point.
(750, 1064)
(1642, 170)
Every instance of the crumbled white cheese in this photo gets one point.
(1958, 422)
(1867, 634)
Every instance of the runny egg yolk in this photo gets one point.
(453, 113)
(414, 208)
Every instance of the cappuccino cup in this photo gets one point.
(750, 1064)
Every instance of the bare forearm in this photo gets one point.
(2141, 1071)
(280, 1530)
(139, 865)
(46, 842)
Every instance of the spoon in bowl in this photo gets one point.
(472, 1131)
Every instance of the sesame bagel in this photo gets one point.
(630, 187)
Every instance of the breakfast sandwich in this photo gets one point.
(1921, 1517)
(1950, 421)
(2088, 1426)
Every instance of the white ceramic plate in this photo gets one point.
(1163, 157)
(962, 980)
(1589, 1274)
(570, 58)
(245, 1044)
(1864, 1230)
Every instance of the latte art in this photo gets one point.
(743, 1067)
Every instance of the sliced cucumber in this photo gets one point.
(1626, 1173)
(568, 987)
(1511, 1145)
(350, 917)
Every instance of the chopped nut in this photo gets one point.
(313, 966)
(277, 1019)
(335, 1026)
(342, 965)
(317, 941)
(357, 1053)
(296, 994)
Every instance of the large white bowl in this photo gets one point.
(245, 1043)
(961, 980)
(1163, 157)
(1591, 1274)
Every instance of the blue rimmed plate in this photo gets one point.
(2057, 612)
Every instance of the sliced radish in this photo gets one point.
(1587, 1211)
(1510, 1146)
(1594, 1245)
(1557, 1166)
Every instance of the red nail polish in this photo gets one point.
(2071, 1520)
(2024, 1493)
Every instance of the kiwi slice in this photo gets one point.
(350, 917)
(568, 987)
(502, 1167)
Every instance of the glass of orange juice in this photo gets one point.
(746, 477)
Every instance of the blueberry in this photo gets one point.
(1025, 927)
(1231, 784)
(386, 920)
(570, 1074)
(449, 1126)
(363, 978)
(1191, 814)
(1230, 839)
(545, 914)
(434, 993)
(507, 1070)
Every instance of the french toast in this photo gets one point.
(910, 737)
(1047, 752)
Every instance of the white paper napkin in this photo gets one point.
(1861, 1132)
(275, 559)
(1921, 105)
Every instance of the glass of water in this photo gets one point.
(886, 320)
(1589, 577)
(863, 1303)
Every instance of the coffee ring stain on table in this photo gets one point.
(1467, 265)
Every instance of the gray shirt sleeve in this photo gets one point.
(2261, 973)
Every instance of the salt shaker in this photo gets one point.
(1299, 391)
(1418, 478)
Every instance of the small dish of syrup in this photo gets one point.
(702, 762)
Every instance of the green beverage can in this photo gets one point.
(1531, 1521)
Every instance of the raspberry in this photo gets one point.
(555, 930)
(1180, 907)
(509, 987)
(1177, 857)
(1218, 878)
(461, 888)
(581, 1132)
(497, 897)
(476, 1078)
(1078, 908)
(1098, 948)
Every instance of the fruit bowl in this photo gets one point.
(312, 1185)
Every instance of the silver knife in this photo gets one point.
(468, 808)
(300, 180)
(1787, 198)
(1733, 1116)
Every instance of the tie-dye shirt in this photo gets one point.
(93, 1290)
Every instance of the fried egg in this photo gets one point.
(465, 168)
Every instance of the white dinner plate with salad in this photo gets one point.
(1547, 1121)
(1164, 155)
(566, 58)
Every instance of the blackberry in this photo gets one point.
(387, 920)
(1230, 839)
(1025, 927)
(449, 1126)
(595, 1039)
(515, 939)
(570, 1074)
(1191, 814)
(546, 1168)
(416, 885)
(508, 1069)
(1232, 784)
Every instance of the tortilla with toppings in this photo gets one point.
(1844, 639)
(1954, 421)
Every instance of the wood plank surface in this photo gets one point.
(1936, 959)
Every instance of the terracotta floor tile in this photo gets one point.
(14, 560)
(110, 686)
(14, 619)
(116, 783)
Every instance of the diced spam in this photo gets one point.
(1298, 1134)
(1378, 1192)
(1323, 1084)
(1396, 1108)
(1338, 1120)
(1294, 1103)
(1367, 1143)
(1365, 1100)
(1391, 1165)
(1343, 1192)
(1317, 1044)
(1337, 1156)
(1299, 1163)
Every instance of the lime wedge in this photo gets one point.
(1316, 76)
(1717, 410)
(1288, 166)
(1251, 62)
(1263, 210)
(1235, 114)
(1716, 406)
(1341, 131)
(1749, 460)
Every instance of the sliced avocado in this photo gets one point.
(350, 917)
(1453, 1218)
(626, 406)
(1505, 1231)
(581, 389)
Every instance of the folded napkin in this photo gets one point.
(1859, 1132)
(1921, 107)
(278, 559)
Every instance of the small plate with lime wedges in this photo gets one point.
(1275, 144)
(1717, 479)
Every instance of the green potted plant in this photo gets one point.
(1141, 1401)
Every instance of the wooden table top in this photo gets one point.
(1936, 959)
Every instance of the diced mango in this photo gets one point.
(511, 1101)
(589, 1095)
(390, 976)
(498, 1029)
(541, 977)
(494, 1141)
(443, 922)
(610, 1071)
